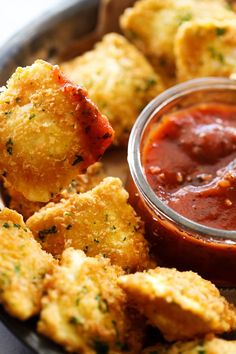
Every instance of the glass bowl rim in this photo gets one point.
(134, 155)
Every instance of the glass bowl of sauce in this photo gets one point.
(182, 159)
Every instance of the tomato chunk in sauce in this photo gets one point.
(190, 162)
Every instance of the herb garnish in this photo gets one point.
(45, 232)
(9, 146)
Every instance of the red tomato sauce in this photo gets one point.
(190, 162)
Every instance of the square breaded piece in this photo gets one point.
(205, 49)
(119, 80)
(97, 222)
(49, 131)
(152, 26)
(181, 304)
(202, 346)
(82, 183)
(23, 265)
(85, 310)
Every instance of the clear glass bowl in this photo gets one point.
(175, 240)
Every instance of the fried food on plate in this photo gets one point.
(97, 222)
(200, 346)
(23, 265)
(82, 183)
(50, 131)
(119, 80)
(205, 49)
(181, 304)
(152, 26)
(84, 309)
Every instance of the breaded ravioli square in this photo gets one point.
(49, 131)
(181, 304)
(23, 265)
(152, 26)
(85, 310)
(201, 346)
(205, 49)
(82, 183)
(119, 80)
(99, 221)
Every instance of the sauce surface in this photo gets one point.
(190, 162)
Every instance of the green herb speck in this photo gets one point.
(220, 31)
(102, 304)
(45, 232)
(75, 320)
(17, 268)
(9, 146)
(17, 226)
(32, 116)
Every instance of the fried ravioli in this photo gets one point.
(152, 26)
(23, 265)
(98, 222)
(201, 346)
(205, 49)
(49, 131)
(82, 183)
(119, 80)
(181, 304)
(84, 309)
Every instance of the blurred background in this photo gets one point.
(15, 14)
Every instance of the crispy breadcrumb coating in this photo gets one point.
(84, 309)
(152, 26)
(200, 346)
(97, 222)
(23, 265)
(119, 80)
(181, 304)
(49, 131)
(213, 42)
(82, 183)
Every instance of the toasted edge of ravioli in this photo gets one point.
(119, 80)
(82, 183)
(157, 349)
(152, 26)
(181, 304)
(84, 309)
(207, 345)
(205, 49)
(49, 131)
(23, 265)
(99, 221)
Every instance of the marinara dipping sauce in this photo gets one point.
(190, 163)
(182, 158)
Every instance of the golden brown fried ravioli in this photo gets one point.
(97, 222)
(201, 346)
(205, 49)
(82, 183)
(152, 26)
(49, 131)
(84, 309)
(181, 304)
(119, 80)
(23, 265)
